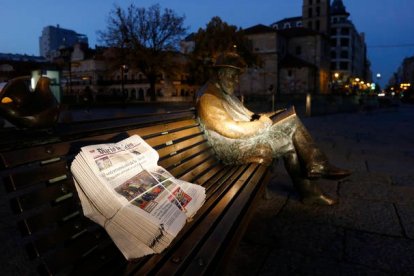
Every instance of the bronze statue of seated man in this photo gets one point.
(240, 136)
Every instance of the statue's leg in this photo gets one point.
(309, 191)
(315, 161)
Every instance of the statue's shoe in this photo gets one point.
(326, 170)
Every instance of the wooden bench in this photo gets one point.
(60, 240)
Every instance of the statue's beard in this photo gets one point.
(227, 87)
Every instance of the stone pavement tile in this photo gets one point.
(309, 238)
(247, 259)
(372, 216)
(406, 213)
(285, 262)
(393, 163)
(401, 194)
(403, 180)
(369, 186)
(354, 164)
(358, 214)
(391, 254)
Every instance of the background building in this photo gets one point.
(294, 52)
(339, 61)
(53, 38)
(89, 75)
(348, 49)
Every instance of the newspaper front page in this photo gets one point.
(140, 204)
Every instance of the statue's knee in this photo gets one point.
(263, 160)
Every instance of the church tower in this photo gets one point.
(315, 15)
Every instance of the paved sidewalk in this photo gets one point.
(370, 231)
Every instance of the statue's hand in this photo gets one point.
(266, 121)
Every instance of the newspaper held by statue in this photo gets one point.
(140, 204)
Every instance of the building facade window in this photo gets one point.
(344, 42)
(344, 54)
(345, 31)
(298, 50)
(343, 65)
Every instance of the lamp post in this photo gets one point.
(124, 69)
(378, 79)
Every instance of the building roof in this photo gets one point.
(19, 57)
(287, 19)
(258, 29)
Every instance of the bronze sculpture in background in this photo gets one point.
(26, 107)
(240, 136)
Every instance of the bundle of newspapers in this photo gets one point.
(140, 204)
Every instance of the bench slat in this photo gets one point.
(177, 147)
(172, 136)
(178, 158)
(184, 167)
(161, 128)
(75, 251)
(68, 231)
(105, 260)
(34, 175)
(42, 196)
(47, 218)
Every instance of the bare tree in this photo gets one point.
(145, 38)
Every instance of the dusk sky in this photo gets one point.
(387, 24)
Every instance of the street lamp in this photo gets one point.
(336, 82)
(124, 69)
